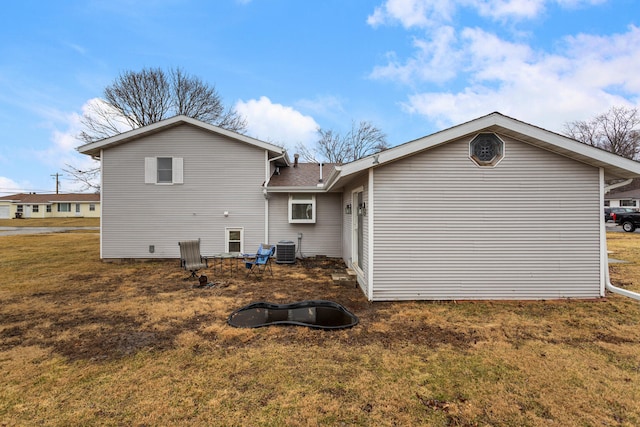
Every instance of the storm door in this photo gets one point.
(358, 230)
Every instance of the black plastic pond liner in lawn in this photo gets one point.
(318, 314)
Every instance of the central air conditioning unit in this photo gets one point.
(285, 252)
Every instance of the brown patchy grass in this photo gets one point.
(84, 342)
(50, 222)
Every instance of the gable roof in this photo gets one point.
(93, 148)
(33, 199)
(615, 166)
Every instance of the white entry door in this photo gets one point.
(358, 229)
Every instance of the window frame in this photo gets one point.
(35, 208)
(497, 158)
(227, 240)
(164, 170)
(152, 170)
(92, 207)
(68, 205)
(302, 199)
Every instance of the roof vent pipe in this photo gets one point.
(295, 160)
(320, 172)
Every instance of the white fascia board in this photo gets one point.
(94, 147)
(571, 148)
(291, 189)
(333, 176)
(495, 122)
(412, 147)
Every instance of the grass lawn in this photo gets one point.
(50, 222)
(84, 343)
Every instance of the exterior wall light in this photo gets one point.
(362, 209)
(347, 209)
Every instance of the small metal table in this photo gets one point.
(219, 262)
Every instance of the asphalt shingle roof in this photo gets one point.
(303, 175)
(32, 199)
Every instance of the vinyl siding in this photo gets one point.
(447, 229)
(322, 238)
(220, 174)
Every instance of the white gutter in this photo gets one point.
(616, 185)
(300, 189)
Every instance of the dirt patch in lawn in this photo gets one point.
(148, 306)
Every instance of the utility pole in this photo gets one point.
(57, 176)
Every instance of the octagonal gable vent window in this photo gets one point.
(486, 149)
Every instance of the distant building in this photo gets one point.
(31, 205)
(625, 199)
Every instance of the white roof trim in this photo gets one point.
(297, 189)
(93, 148)
(612, 163)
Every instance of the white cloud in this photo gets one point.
(587, 76)
(508, 9)
(276, 123)
(62, 153)
(582, 76)
(435, 60)
(433, 13)
(9, 186)
(412, 13)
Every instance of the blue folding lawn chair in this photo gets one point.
(261, 261)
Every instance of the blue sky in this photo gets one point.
(412, 67)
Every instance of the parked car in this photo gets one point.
(608, 212)
(628, 220)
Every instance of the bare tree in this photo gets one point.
(141, 98)
(194, 98)
(615, 131)
(88, 179)
(362, 140)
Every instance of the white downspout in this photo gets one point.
(265, 193)
(267, 176)
(603, 239)
(370, 237)
(620, 291)
(101, 203)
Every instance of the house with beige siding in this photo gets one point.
(626, 199)
(494, 208)
(32, 205)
